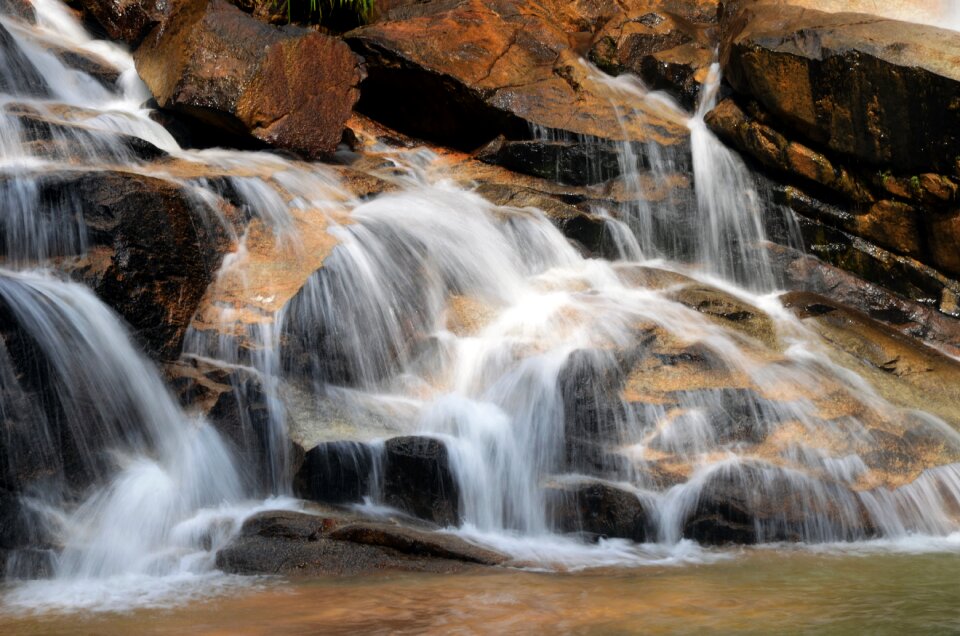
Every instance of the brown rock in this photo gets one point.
(882, 91)
(288, 88)
(128, 20)
(463, 72)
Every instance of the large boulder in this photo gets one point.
(127, 20)
(601, 509)
(881, 91)
(148, 250)
(289, 88)
(463, 72)
(332, 542)
(417, 478)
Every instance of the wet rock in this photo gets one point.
(128, 20)
(337, 472)
(90, 63)
(589, 383)
(234, 400)
(417, 478)
(416, 542)
(293, 543)
(22, 9)
(668, 44)
(882, 91)
(902, 370)
(569, 162)
(755, 503)
(901, 274)
(806, 273)
(64, 137)
(288, 88)
(729, 311)
(152, 252)
(500, 66)
(18, 76)
(602, 509)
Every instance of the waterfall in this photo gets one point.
(424, 310)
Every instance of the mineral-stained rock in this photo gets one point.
(417, 478)
(881, 91)
(463, 72)
(289, 88)
(128, 20)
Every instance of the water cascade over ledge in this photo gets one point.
(671, 381)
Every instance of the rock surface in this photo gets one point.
(465, 71)
(288, 88)
(417, 479)
(333, 542)
(881, 91)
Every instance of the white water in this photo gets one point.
(448, 316)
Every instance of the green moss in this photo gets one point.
(316, 10)
(915, 183)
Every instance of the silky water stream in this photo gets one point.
(427, 310)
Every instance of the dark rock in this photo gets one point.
(289, 88)
(417, 478)
(337, 472)
(128, 20)
(601, 509)
(882, 91)
(416, 542)
(152, 249)
(18, 76)
(293, 543)
(90, 63)
(570, 162)
(755, 503)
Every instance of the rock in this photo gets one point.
(128, 20)
(902, 370)
(750, 503)
(293, 543)
(235, 402)
(903, 275)
(18, 76)
(566, 162)
(337, 472)
(418, 479)
(668, 44)
(729, 311)
(881, 91)
(806, 273)
(90, 63)
(63, 136)
(151, 254)
(22, 9)
(416, 542)
(288, 88)
(501, 66)
(602, 509)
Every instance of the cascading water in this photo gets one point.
(429, 310)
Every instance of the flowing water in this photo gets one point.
(427, 310)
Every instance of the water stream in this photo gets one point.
(437, 313)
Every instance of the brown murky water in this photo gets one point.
(760, 592)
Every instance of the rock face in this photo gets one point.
(151, 252)
(331, 542)
(417, 479)
(669, 44)
(462, 72)
(874, 89)
(337, 472)
(288, 88)
(600, 509)
(127, 20)
(854, 117)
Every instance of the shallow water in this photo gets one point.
(759, 591)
